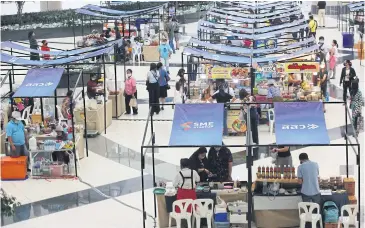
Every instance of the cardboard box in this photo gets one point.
(352, 200)
(330, 225)
(349, 185)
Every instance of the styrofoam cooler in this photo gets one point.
(347, 40)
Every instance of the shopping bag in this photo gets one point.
(133, 102)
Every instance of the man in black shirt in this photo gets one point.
(321, 13)
(283, 158)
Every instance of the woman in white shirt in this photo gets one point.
(153, 88)
(185, 181)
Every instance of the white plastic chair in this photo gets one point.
(308, 215)
(137, 51)
(183, 205)
(348, 220)
(271, 117)
(60, 116)
(203, 208)
(26, 114)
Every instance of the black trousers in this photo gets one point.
(312, 34)
(154, 94)
(127, 99)
(346, 87)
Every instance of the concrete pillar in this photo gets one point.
(50, 5)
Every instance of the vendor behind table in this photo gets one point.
(220, 162)
(199, 162)
(283, 158)
(94, 87)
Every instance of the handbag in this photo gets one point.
(133, 102)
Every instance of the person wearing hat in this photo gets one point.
(165, 52)
(15, 133)
(322, 80)
(45, 47)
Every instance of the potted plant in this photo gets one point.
(8, 204)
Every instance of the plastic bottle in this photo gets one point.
(32, 143)
(288, 172)
(285, 173)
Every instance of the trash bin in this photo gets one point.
(347, 40)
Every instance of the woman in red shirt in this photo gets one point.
(45, 47)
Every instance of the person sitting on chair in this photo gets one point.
(93, 87)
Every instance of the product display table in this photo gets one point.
(121, 103)
(150, 53)
(79, 143)
(95, 118)
(164, 203)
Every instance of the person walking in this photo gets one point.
(322, 80)
(171, 27)
(321, 5)
(347, 75)
(312, 26)
(165, 52)
(308, 174)
(332, 62)
(130, 91)
(153, 88)
(356, 104)
(322, 51)
(163, 82)
(176, 33)
(33, 44)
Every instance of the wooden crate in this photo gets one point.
(352, 200)
(349, 184)
(330, 225)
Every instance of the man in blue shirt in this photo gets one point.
(165, 52)
(308, 174)
(16, 136)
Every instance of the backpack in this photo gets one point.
(330, 212)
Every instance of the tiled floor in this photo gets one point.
(113, 165)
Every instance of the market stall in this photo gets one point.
(52, 155)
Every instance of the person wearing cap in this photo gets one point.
(60, 155)
(273, 91)
(45, 47)
(15, 133)
(165, 52)
(322, 80)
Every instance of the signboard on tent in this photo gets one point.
(266, 44)
(197, 124)
(40, 82)
(227, 72)
(301, 67)
(300, 123)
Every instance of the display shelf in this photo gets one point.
(288, 181)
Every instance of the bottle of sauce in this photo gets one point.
(267, 172)
(263, 173)
(288, 172)
(259, 172)
(293, 172)
(276, 173)
(285, 174)
(271, 172)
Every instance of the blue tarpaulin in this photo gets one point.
(10, 44)
(6, 58)
(300, 123)
(197, 124)
(40, 82)
(122, 13)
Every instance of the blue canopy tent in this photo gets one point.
(42, 83)
(36, 84)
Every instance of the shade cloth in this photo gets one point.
(6, 58)
(40, 82)
(300, 123)
(197, 124)
(119, 12)
(13, 45)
